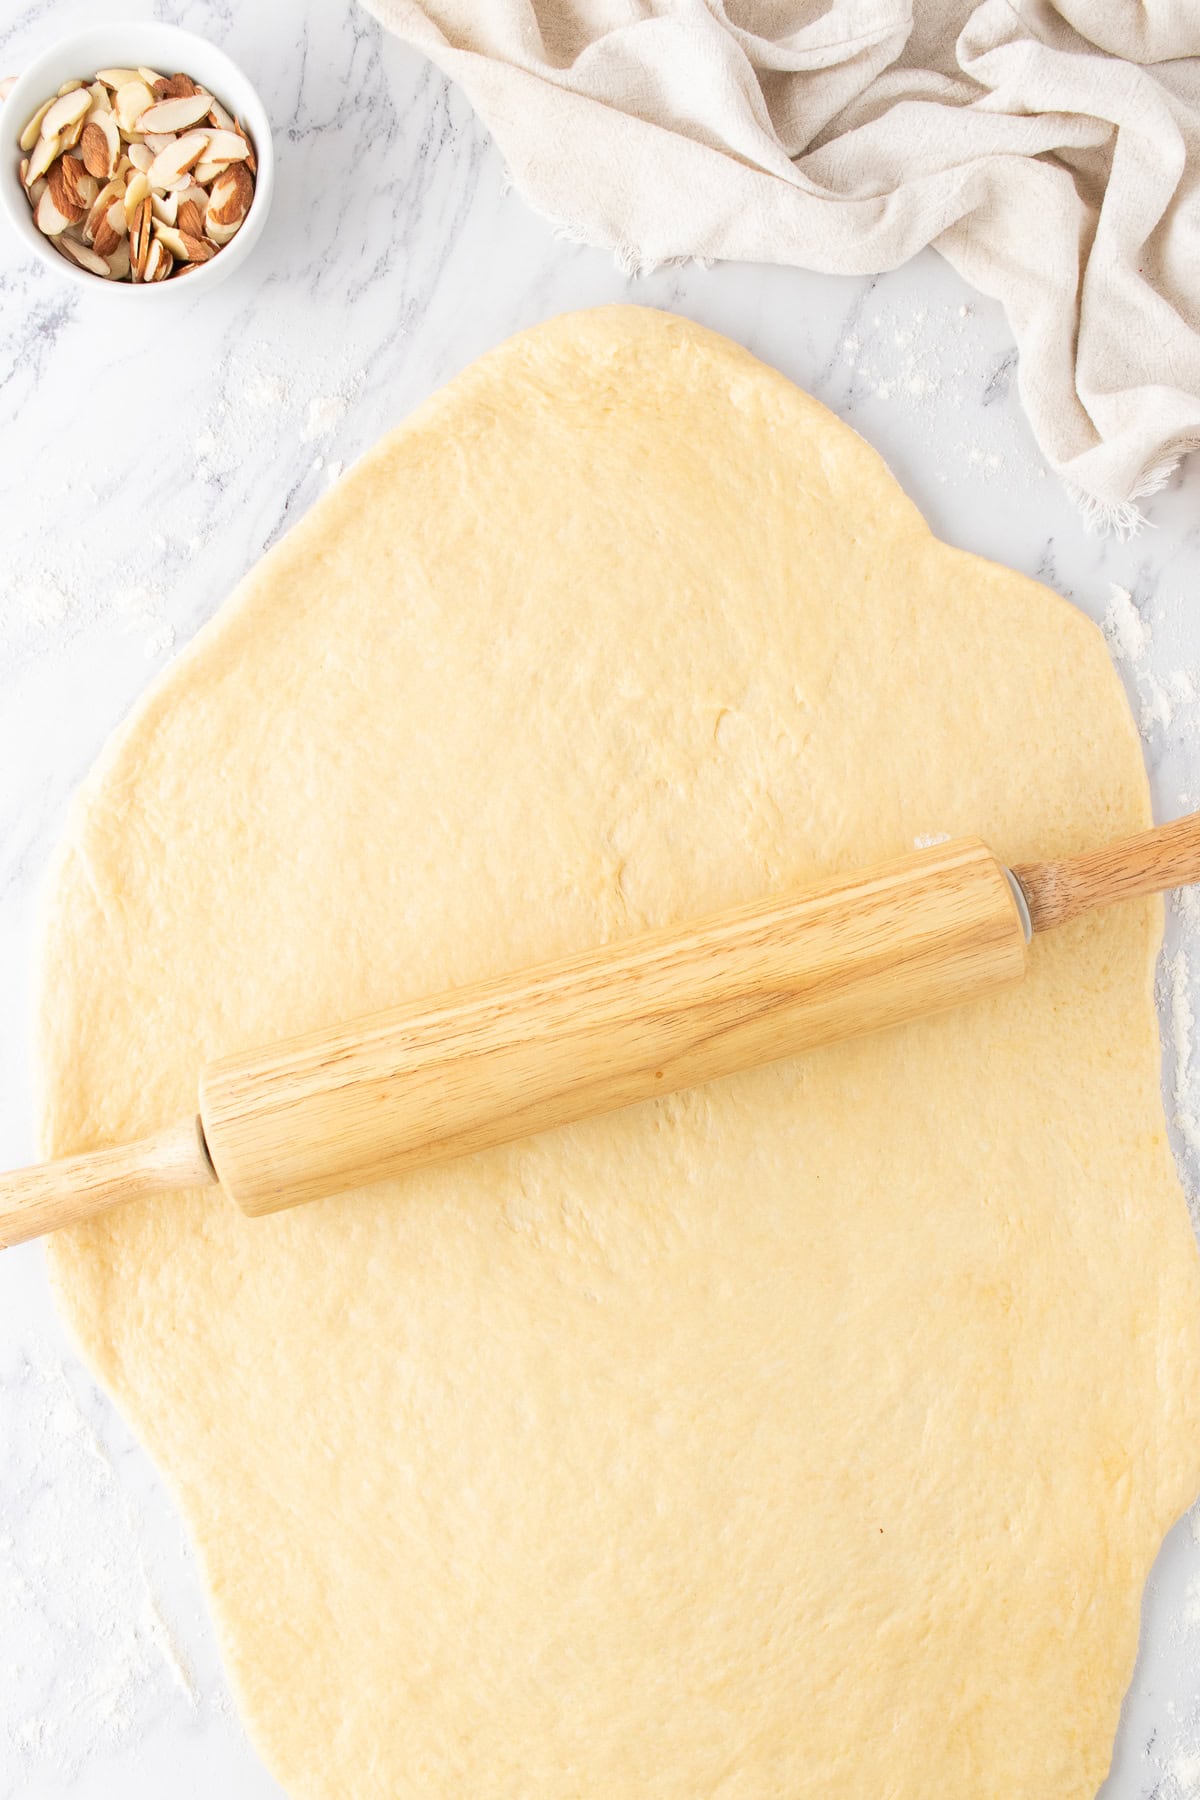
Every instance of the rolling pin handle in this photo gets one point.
(53, 1195)
(1150, 863)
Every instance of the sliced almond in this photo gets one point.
(141, 156)
(48, 219)
(208, 168)
(36, 190)
(157, 140)
(149, 76)
(116, 78)
(168, 235)
(166, 207)
(101, 146)
(87, 259)
(137, 190)
(158, 261)
(106, 237)
(118, 262)
(131, 102)
(44, 153)
(220, 235)
(7, 84)
(66, 111)
(174, 87)
(220, 118)
(251, 159)
(174, 162)
(110, 193)
(226, 147)
(142, 227)
(29, 136)
(71, 185)
(141, 231)
(174, 115)
(62, 185)
(196, 249)
(93, 147)
(101, 100)
(190, 214)
(109, 198)
(69, 87)
(229, 198)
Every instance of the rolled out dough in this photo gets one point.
(810, 1434)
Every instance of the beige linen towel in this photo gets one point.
(1050, 151)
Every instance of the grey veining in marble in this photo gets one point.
(393, 256)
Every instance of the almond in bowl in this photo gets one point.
(136, 176)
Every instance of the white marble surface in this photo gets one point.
(392, 258)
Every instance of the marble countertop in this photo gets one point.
(145, 465)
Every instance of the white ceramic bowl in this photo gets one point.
(131, 45)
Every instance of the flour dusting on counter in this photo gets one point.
(927, 362)
(1177, 999)
(1127, 631)
(98, 1662)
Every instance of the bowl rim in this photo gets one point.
(156, 34)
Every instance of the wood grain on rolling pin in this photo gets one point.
(519, 1054)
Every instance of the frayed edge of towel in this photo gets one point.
(629, 260)
(1107, 518)
(1122, 518)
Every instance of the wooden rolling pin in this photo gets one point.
(499, 1060)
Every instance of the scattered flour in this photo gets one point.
(160, 640)
(1127, 632)
(265, 391)
(163, 1639)
(99, 1665)
(325, 413)
(1157, 707)
(45, 601)
(1182, 1038)
(126, 578)
(933, 363)
(139, 604)
(1186, 903)
(1190, 1611)
(1184, 1771)
(925, 840)
(982, 459)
